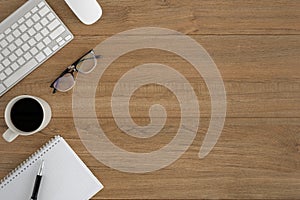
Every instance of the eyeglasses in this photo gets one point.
(66, 80)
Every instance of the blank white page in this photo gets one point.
(65, 176)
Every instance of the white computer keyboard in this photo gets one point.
(28, 37)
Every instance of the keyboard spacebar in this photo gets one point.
(20, 73)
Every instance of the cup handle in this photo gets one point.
(9, 135)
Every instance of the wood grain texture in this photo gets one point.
(256, 46)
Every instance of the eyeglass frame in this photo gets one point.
(73, 68)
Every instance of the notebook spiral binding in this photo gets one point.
(31, 160)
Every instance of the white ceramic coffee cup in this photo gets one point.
(12, 132)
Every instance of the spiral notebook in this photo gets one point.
(65, 176)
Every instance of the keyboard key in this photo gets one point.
(53, 25)
(40, 57)
(18, 42)
(61, 43)
(45, 32)
(22, 28)
(25, 37)
(68, 37)
(47, 51)
(27, 15)
(38, 37)
(7, 31)
(2, 88)
(31, 32)
(38, 26)
(47, 40)
(27, 56)
(5, 52)
(55, 47)
(10, 38)
(2, 76)
(1, 57)
(25, 47)
(21, 20)
(44, 21)
(40, 45)
(19, 52)
(50, 16)
(36, 17)
(32, 42)
(14, 26)
(8, 71)
(33, 51)
(6, 62)
(12, 47)
(59, 39)
(1, 67)
(16, 33)
(33, 10)
(44, 11)
(20, 72)
(12, 57)
(41, 4)
(57, 32)
(3, 43)
(14, 66)
(21, 61)
(1, 36)
(29, 22)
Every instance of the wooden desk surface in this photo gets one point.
(256, 46)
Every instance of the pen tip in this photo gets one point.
(41, 168)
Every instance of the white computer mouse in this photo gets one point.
(88, 11)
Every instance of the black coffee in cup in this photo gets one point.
(27, 115)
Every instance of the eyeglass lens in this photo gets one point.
(64, 83)
(87, 63)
